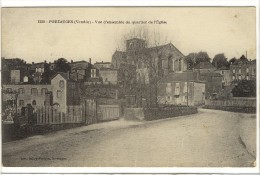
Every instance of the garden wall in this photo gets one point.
(173, 111)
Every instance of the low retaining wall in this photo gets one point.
(232, 108)
(134, 114)
(173, 111)
(246, 105)
(12, 132)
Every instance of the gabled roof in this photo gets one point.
(204, 65)
(64, 75)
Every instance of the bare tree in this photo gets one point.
(148, 60)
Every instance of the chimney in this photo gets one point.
(32, 63)
(45, 61)
(90, 60)
(71, 61)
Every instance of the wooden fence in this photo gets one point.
(53, 115)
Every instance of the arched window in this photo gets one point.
(34, 102)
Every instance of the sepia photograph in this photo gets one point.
(129, 87)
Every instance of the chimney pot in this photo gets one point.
(90, 60)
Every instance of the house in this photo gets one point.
(109, 75)
(16, 64)
(23, 94)
(65, 91)
(102, 64)
(204, 67)
(184, 88)
(243, 69)
(226, 76)
(38, 68)
(82, 68)
(213, 83)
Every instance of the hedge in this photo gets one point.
(169, 112)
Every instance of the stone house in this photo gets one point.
(226, 76)
(183, 88)
(102, 64)
(109, 75)
(65, 91)
(243, 70)
(36, 95)
(82, 68)
(213, 84)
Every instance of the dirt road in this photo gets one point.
(207, 139)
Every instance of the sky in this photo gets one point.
(228, 30)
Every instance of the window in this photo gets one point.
(168, 99)
(247, 77)
(239, 71)
(58, 93)
(21, 102)
(168, 88)
(72, 85)
(234, 77)
(185, 87)
(9, 90)
(44, 91)
(239, 77)
(93, 73)
(177, 89)
(222, 72)
(34, 102)
(234, 70)
(247, 70)
(34, 91)
(61, 83)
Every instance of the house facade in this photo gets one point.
(226, 76)
(181, 89)
(36, 95)
(243, 70)
(109, 75)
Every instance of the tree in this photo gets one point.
(245, 88)
(62, 65)
(243, 58)
(232, 61)
(190, 59)
(47, 74)
(219, 61)
(149, 63)
(202, 57)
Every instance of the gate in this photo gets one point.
(90, 110)
(108, 112)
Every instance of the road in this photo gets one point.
(207, 139)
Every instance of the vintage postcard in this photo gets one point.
(161, 87)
